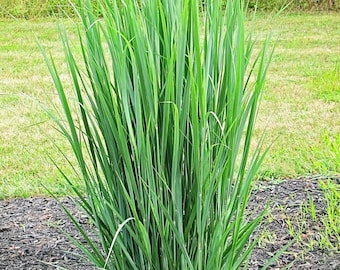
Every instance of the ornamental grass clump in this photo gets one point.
(166, 99)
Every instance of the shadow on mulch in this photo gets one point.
(30, 230)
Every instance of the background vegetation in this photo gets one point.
(295, 5)
(41, 8)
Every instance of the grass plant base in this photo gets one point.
(30, 230)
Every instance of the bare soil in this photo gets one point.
(31, 234)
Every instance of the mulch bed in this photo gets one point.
(286, 200)
(31, 237)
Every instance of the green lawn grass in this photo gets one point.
(301, 105)
(300, 109)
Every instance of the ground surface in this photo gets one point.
(30, 232)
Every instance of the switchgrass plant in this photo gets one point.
(166, 96)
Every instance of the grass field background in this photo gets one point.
(29, 9)
(300, 110)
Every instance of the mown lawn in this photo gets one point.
(300, 109)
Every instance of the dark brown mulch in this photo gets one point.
(30, 234)
(286, 200)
